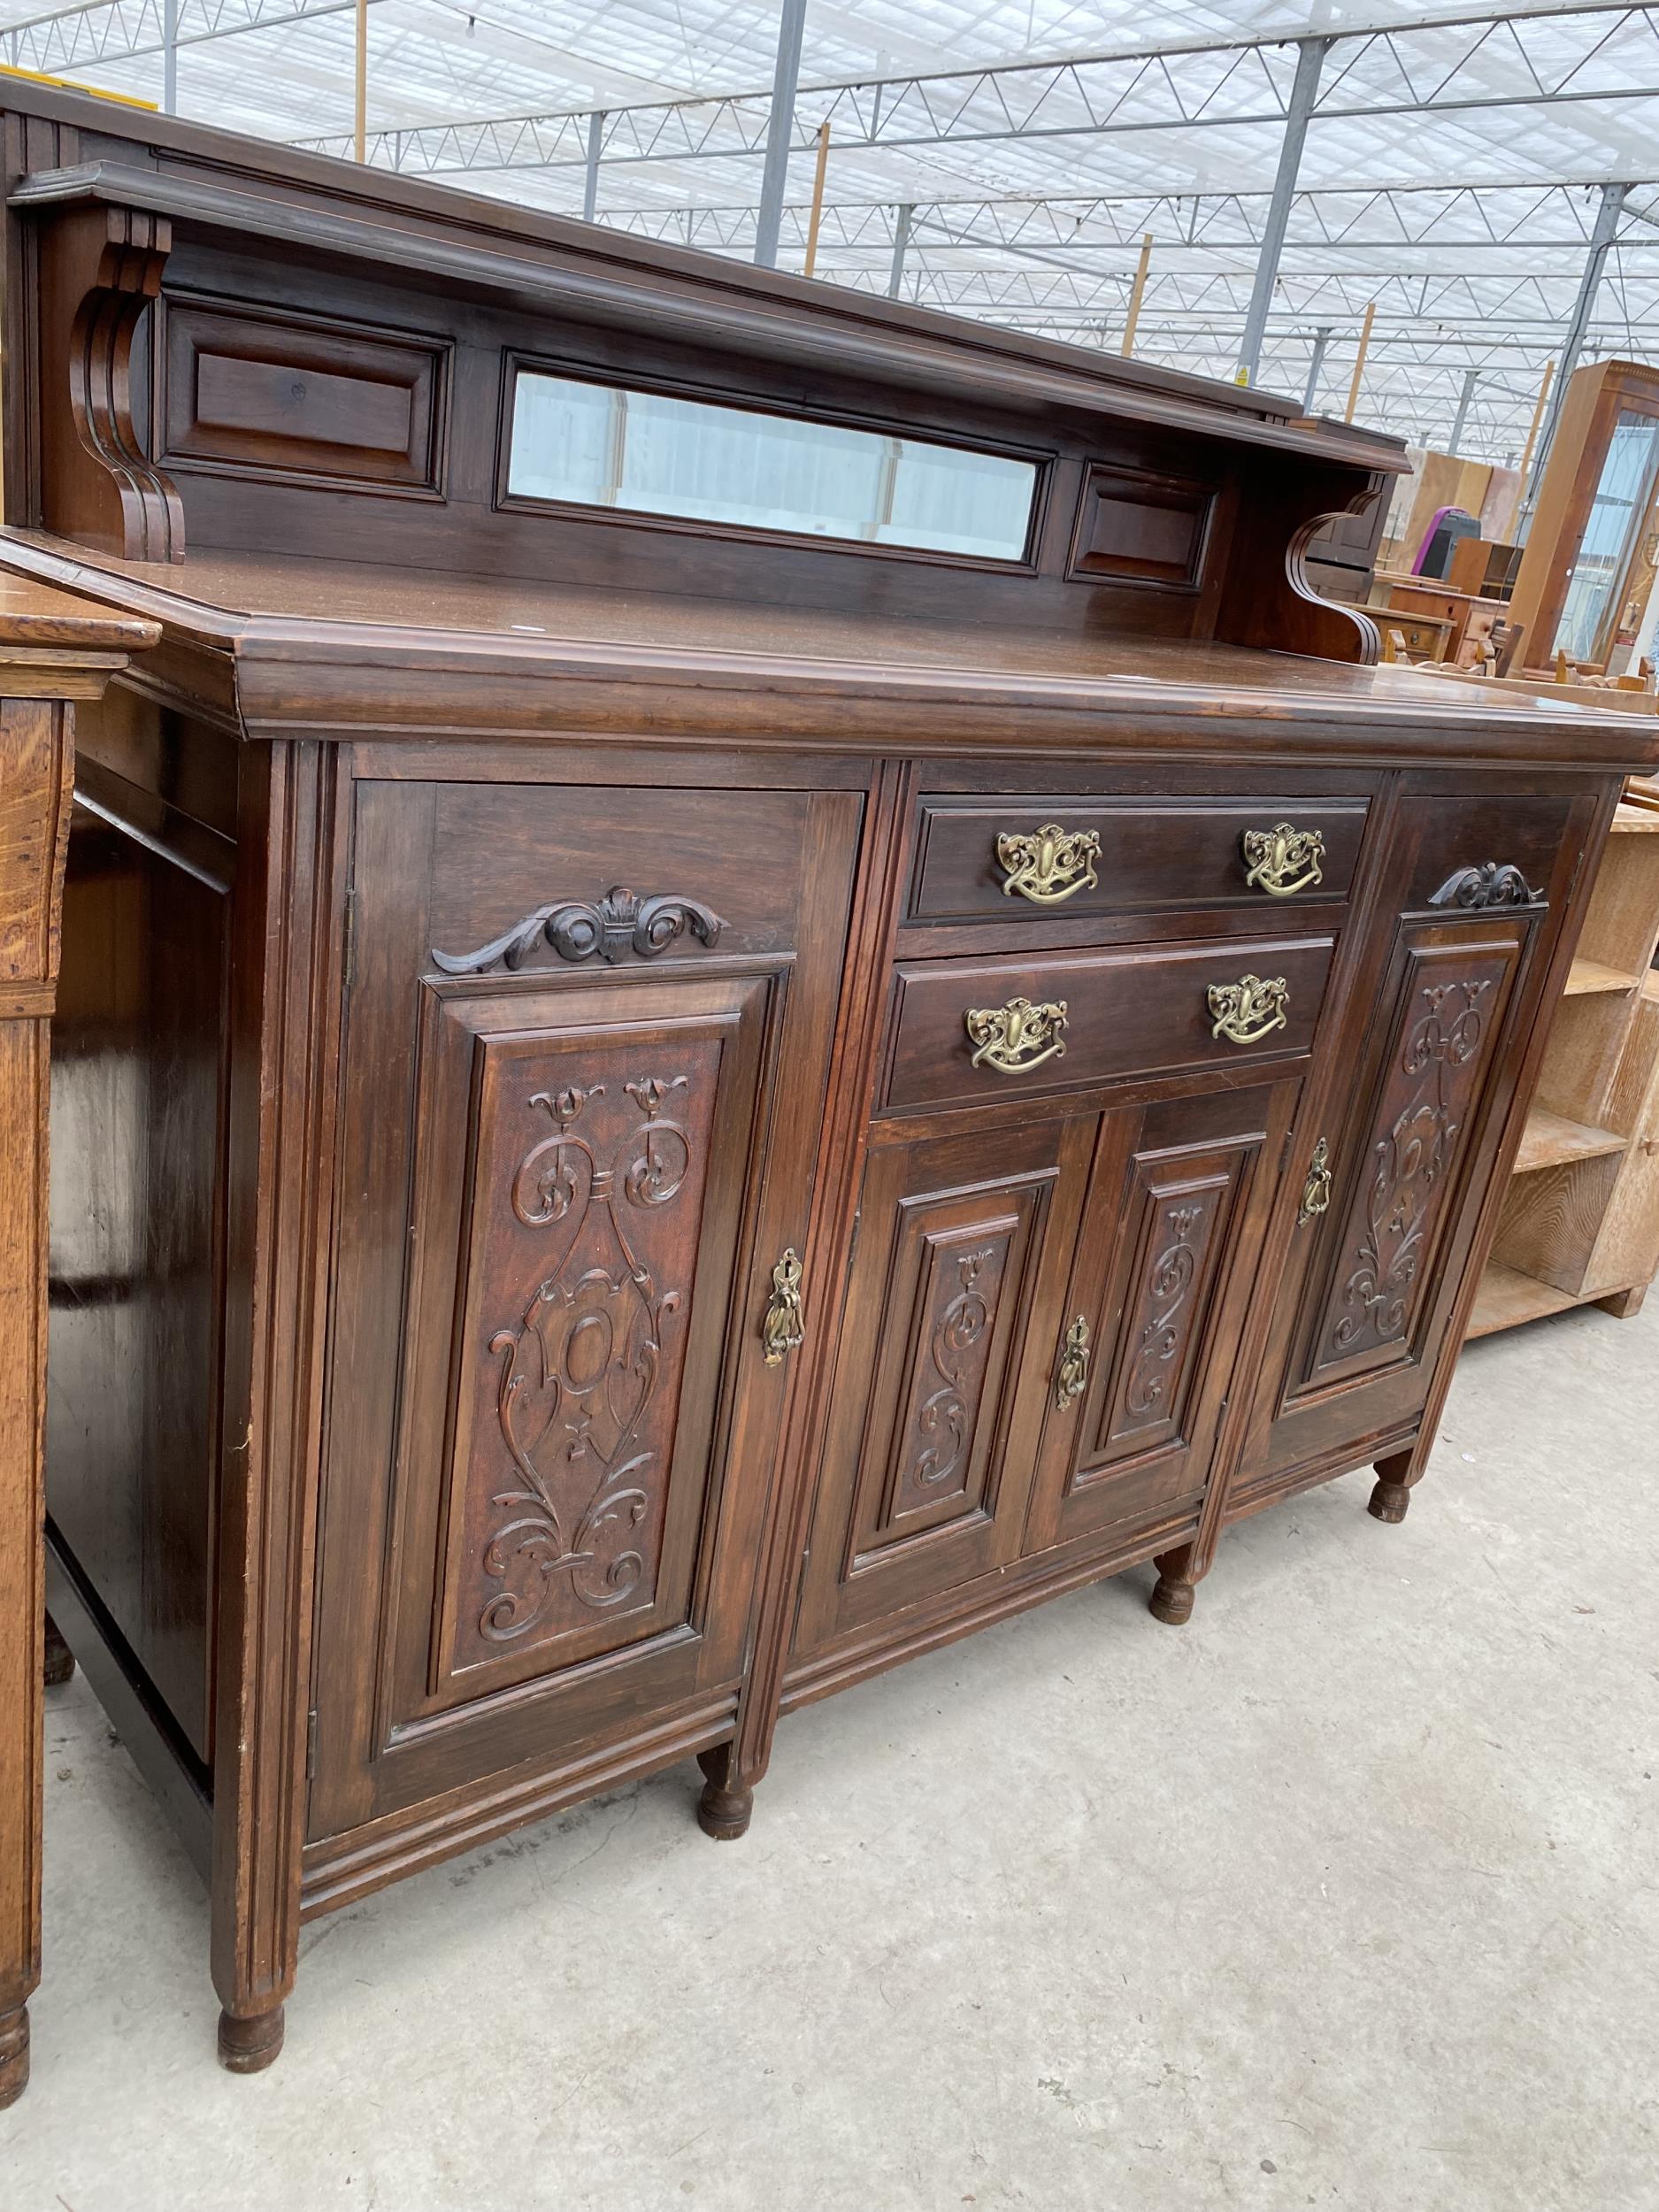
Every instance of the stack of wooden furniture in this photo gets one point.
(753, 979)
(1580, 1222)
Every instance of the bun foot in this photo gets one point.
(248, 2046)
(1172, 1601)
(60, 1661)
(725, 1807)
(14, 2055)
(1389, 1501)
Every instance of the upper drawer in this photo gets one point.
(969, 1031)
(1022, 858)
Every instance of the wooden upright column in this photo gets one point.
(53, 650)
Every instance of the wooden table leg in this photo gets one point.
(52, 649)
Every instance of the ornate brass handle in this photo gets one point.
(1048, 863)
(1315, 1192)
(1246, 1012)
(1017, 1037)
(1071, 1377)
(783, 1327)
(1282, 860)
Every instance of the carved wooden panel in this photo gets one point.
(955, 1266)
(1402, 1180)
(308, 398)
(964, 1247)
(1142, 529)
(1177, 1211)
(588, 1172)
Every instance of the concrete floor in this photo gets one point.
(1345, 1895)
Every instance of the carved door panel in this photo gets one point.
(962, 1249)
(1406, 1113)
(1173, 1232)
(553, 1415)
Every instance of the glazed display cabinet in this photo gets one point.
(752, 978)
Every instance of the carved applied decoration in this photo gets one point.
(1048, 863)
(580, 1371)
(1412, 1164)
(1488, 885)
(125, 279)
(1253, 1007)
(1017, 1037)
(961, 1294)
(1283, 860)
(604, 929)
(1169, 1309)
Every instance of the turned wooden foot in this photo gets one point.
(725, 1807)
(14, 2054)
(60, 1661)
(1172, 1601)
(248, 2045)
(1392, 1492)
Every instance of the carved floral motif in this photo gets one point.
(943, 1420)
(588, 929)
(1157, 1356)
(1411, 1163)
(579, 1370)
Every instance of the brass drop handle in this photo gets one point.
(784, 1326)
(1315, 1192)
(1246, 1012)
(1283, 860)
(1072, 1377)
(1017, 1037)
(1049, 864)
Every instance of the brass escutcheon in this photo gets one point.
(1315, 1192)
(1072, 1379)
(1048, 863)
(1283, 860)
(1246, 1012)
(784, 1326)
(1017, 1037)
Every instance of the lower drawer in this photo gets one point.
(964, 1031)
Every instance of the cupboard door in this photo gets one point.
(1172, 1231)
(962, 1248)
(571, 1177)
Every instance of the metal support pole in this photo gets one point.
(1321, 340)
(1472, 377)
(170, 57)
(590, 182)
(901, 244)
(1359, 359)
(774, 174)
(1310, 53)
(1137, 295)
(1601, 238)
(362, 118)
(815, 216)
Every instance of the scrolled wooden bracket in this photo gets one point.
(1274, 606)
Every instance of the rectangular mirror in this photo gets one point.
(598, 445)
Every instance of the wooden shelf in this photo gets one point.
(1552, 1141)
(1507, 1298)
(1586, 976)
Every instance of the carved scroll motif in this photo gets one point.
(580, 1370)
(1486, 885)
(1169, 1315)
(588, 929)
(1411, 1163)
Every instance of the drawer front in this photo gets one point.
(968, 1030)
(1023, 858)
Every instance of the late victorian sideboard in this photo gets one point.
(751, 979)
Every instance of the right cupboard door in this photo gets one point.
(1391, 1204)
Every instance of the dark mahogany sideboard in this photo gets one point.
(751, 979)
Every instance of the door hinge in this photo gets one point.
(349, 963)
(311, 1745)
(1284, 1156)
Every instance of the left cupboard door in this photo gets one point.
(574, 1155)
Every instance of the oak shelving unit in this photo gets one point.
(1580, 1224)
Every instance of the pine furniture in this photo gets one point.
(753, 979)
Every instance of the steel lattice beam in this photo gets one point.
(122, 30)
